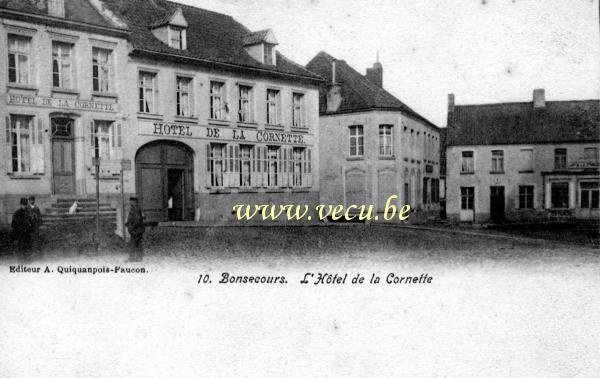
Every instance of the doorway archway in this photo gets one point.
(164, 181)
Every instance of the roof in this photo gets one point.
(211, 36)
(520, 123)
(358, 93)
(261, 36)
(75, 10)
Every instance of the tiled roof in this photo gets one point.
(256, 37)
(75, 10)
(358, 92)
(520, 123)
(211, 36)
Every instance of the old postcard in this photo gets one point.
(312, 188)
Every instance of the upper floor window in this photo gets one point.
(217, 100)
(560, 158)
(272, 107)
(101, 70)
(498, 161)
(19, 59)
(526, 159)
(177, 37)
(590, 153)
(245, 104)
(183, 96)
(268, 54)
(468, 163)
(62, 65)
(298, 110)
(357, 147)
(148, 92)
(385, 140)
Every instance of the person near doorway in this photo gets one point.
(135, 226)
(22, 227)
(37, 221)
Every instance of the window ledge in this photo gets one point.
(527, 171)
(19, 176)
(28, 87)
(300, 129)
(105, 95)
(275, 190)
(248, 190)
(219, 191)
(496, 172)
(467, 173)
(274, 127)
(300, 190)
(65, 91)
(355, 158)
(252, 125)
(219, 122)
(186, 119)
(157, 117)
(382, 157)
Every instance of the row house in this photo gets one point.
(523, 161)
(59, 89)
(373, 146)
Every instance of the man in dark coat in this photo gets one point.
(135, 226)
(22, 227)
(36, 216)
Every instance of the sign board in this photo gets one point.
(583, 164)
(61, 103)
(217, 133)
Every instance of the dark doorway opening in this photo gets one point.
(497, 203)
(63, 156)
(175, 192)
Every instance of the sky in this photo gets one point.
(483, 51)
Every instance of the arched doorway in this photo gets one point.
(164, 181)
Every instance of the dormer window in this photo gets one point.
(260, 45)
(171, 29)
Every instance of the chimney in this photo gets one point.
(450, 103)
(375, 74)
(539, 99)
(334, 90)
(56, 8)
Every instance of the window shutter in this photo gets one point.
(90, 135)
(253, 166)
(280, 166)
(118, 141)
(236, 166)
(265, 159)
(208, 168)
(284, 168)
(7, 145)
(225, 155)
(39, 162)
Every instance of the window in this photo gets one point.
(245, 105)
(526, 197)
(107, 140)
(590, 195)
(268, 54)
(245, 165)
(298, 110)
(467, 198)
(425, 190)
(177, 38)
(215, 164)
(498, 161)
(356, 141)
(560, 158)
(217, 100)
(560, 195)
(297, 166)
(526, 159)
(148, 92)
(590, 153)
(272, 107)
(435, 190)
(19, 59)
(183, 96)
(385, 140)
(273, 166)
(101, 70)
(62, 65)
(26, 143)
(467, 162)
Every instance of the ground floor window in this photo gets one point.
(246, 165)
(467, 198)
(215, 164)
(106, 140)
(25, 142)
(273, 166)
(526, 197)
(560, 195)
(590, 195)
(425, 190)
(435, 190)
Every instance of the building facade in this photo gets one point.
(207, 114)
(530, 161)
(373, 145)
(58, 81)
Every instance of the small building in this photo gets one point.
(523, 161)
(373, 145)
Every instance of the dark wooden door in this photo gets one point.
(63, 156)
(497, 203)
(176, 194)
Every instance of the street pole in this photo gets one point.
(122, 203)
(97, 164)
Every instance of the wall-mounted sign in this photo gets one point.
(583, 164)
(61, 103)
(167, 129)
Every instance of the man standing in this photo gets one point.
(36, 216)
(135, 226)
(22, 227)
